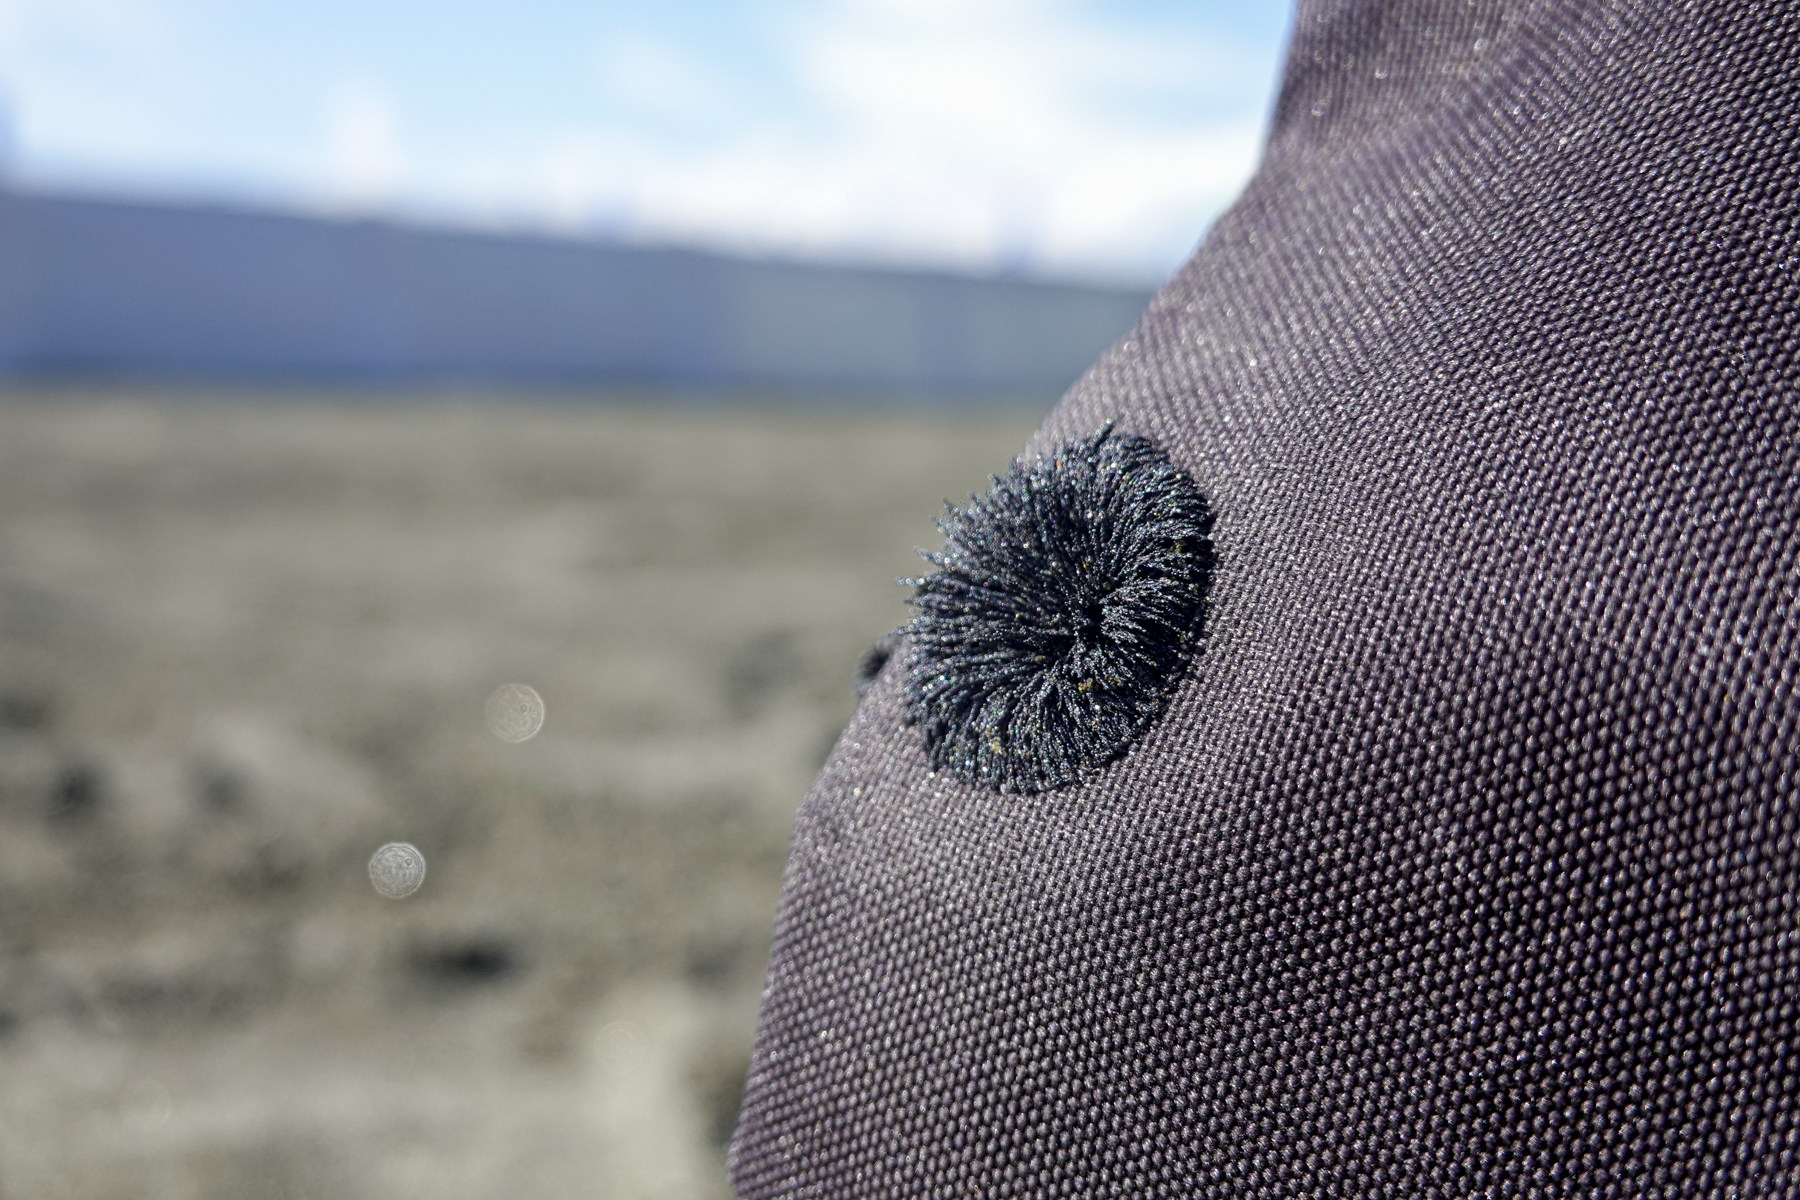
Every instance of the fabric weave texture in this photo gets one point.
(1463, 860)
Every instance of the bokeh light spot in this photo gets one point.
(515, 713)
(397, 870)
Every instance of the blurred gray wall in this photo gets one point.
(98, 288)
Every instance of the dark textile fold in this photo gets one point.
(1463, 861)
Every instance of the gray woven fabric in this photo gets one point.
(1464, 861)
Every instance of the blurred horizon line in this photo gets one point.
(528, 227)
(104, 288)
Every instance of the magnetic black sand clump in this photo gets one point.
(1063, 610)
(873, 660)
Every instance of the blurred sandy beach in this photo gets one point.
(245, 643)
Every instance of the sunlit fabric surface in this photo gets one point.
(1464, 862)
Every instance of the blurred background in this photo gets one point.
(357, 360)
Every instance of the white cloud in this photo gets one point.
(66, 65)
(111, 26)
(974, 132)
(363, 160)
(656, 77)
(7, 136)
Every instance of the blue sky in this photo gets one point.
(1070, 137)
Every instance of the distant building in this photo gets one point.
(98, 288)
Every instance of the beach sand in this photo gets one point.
(244, 642)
